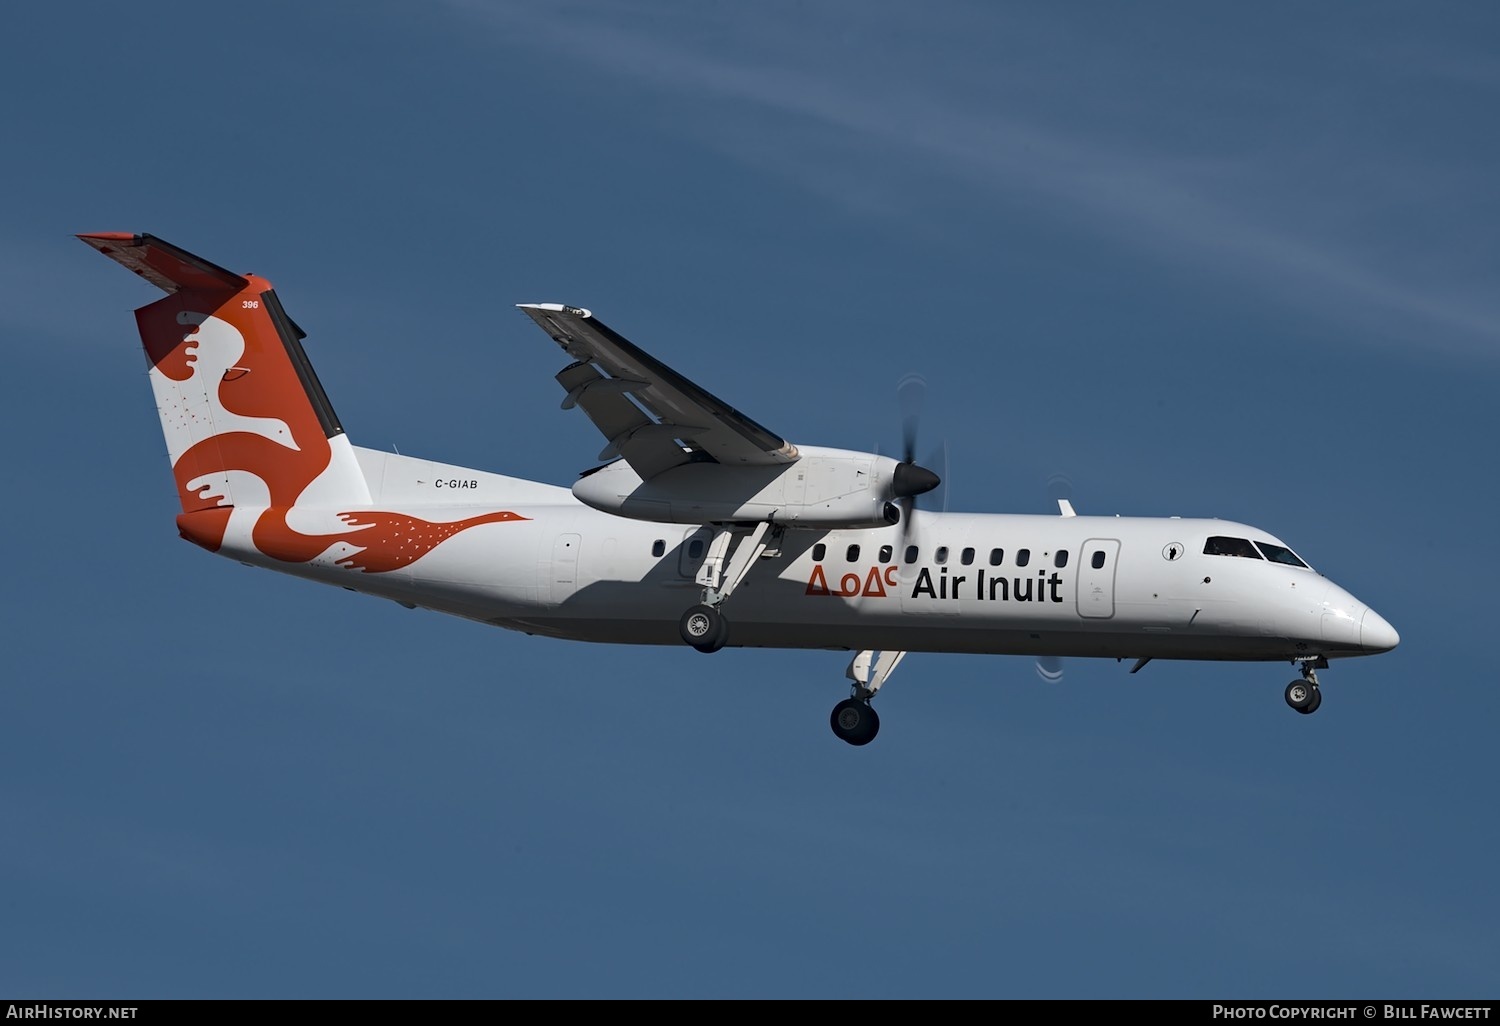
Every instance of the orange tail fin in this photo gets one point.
(245, 418)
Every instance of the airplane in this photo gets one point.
(696, 526)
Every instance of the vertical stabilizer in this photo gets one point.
(246, 421)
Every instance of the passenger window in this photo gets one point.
(1023, 556)
(852, 554)
(695, 549)
(659, 547)
(911, 553)
(997, 556)
(941, 555)
(1061, 559)
(1097, 560)
(886, 552)
(1221, 546)
(819, 551)
(968, 557)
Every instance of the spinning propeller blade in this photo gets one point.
(1059, 490)
(1050, 668)
(911, 479)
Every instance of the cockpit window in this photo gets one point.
(1280, 554)
(1218, 545)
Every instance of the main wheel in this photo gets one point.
(1312, 706)
(703, 628)
(719, 640)
(1300, 694)
(854, 721)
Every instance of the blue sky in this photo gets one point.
(1199, 259)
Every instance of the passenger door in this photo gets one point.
(1096, 578)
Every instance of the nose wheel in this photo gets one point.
(1303, 694)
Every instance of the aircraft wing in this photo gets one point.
(650, 415)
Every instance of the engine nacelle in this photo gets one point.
(828, 488)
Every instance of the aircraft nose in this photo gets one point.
(1375, 634)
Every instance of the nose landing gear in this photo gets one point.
(1304, 694)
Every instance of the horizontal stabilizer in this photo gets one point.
(163, 264)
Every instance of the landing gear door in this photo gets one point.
(1096, 578)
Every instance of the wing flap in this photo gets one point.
(629, 379)
(630, 433)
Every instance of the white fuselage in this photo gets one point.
(1121, 587)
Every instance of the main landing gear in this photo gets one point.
(854, 720)
(703, 626)
(1303, 694)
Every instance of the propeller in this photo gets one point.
(1050, 668)
(1059, 486)
(1059, 490)
(937, 459)
(910, 479)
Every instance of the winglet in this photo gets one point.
(1065, 508)
(163, 264)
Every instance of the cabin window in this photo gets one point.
(851, 554)
(997, 556)
(941, 555)
(659, 547)
(886, 553)
(967, 558)
(1280, 554)
(1023, 556)
(819, 551)
(695, 549)
(1221, 546)
(1097, 560)
(1061, 559)
(911, 554)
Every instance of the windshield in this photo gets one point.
(1219, 545)
(1280, 554)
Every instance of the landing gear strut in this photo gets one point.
(854, 720)
(703, 626)
(1303, 694)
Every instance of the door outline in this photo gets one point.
(565, 566)
(1096, 588)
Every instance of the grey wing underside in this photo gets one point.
(651, 416)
